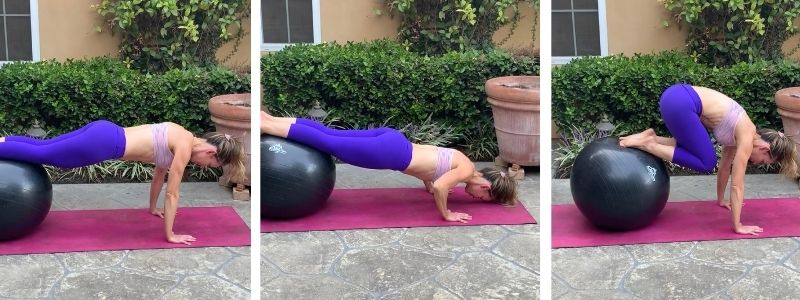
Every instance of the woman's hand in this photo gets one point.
(743, 229)
(181, 239)
(457, 217)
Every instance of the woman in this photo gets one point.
(440, 169)
(687, 112)
(168, 145)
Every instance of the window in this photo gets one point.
(286, 22)
(19, 26)
(579, 28)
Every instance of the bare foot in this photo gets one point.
(637, 140)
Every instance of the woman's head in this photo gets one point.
(501, 188)
(781, 150)
(229, 151)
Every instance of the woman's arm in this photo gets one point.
(155, 190)
(182, 153)
(441, 188)
(744, 148)
(724, 175)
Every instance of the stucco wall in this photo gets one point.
(67, 30)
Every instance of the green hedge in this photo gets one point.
(369, 83)
(68, 95)
(627, 89)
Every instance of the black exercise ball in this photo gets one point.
(618, 188)
(25, 198)
(296, 180)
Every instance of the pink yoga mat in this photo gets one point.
(681, 222)
(398, 207)
(123, 229)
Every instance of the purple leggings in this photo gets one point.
(379, 148)
(681, 110)
(96, 142)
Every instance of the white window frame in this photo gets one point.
(35, 48)
(603, 29)
(315, 16)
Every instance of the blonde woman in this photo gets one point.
(440, 169)
(688, 111)
(168, 145)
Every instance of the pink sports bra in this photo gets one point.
(161, 154)
(725, 130)
(444, 163)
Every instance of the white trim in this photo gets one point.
(316, 20)
(603, 26)
(316, 16)
(602, 20)
(35, 47)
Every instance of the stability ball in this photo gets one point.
(618, 188)
(25, 198)
(296, 180)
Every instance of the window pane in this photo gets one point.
(563, 44)
(18, 7)
(301, 21)
(562, 4)
(587, 33)
(274, 28)
(2, 41)
(585, 4)
(19, 38)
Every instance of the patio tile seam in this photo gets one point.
(51, 294)
(216, 271)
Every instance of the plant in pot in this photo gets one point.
(231, 115)
(515, 110)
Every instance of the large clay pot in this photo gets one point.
(788, 101)
(515, 108)
(231, 115)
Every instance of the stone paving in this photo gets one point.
(734, 269)
(475, 262)
(192, 273)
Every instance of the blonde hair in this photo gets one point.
(782, 149)
(504, 188)
(230, 151)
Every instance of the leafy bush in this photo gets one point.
(627, 89)
(436, 27)
(725, 32)
(369, 83)
(158, 35)
(65, 96)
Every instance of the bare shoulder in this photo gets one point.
(463, 160)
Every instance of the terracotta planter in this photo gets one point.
(515, 108)
(231, 115)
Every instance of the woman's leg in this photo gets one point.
(278, 126)
(390, 150)
(34, 141)
(96, 144)
(680, 108)
(374, 132)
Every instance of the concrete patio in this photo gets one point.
(475, 262)
(733, 269)
(195, 273)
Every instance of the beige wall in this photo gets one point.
(522, 36)
(67, 30)
(635, 26)
(358, 22)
